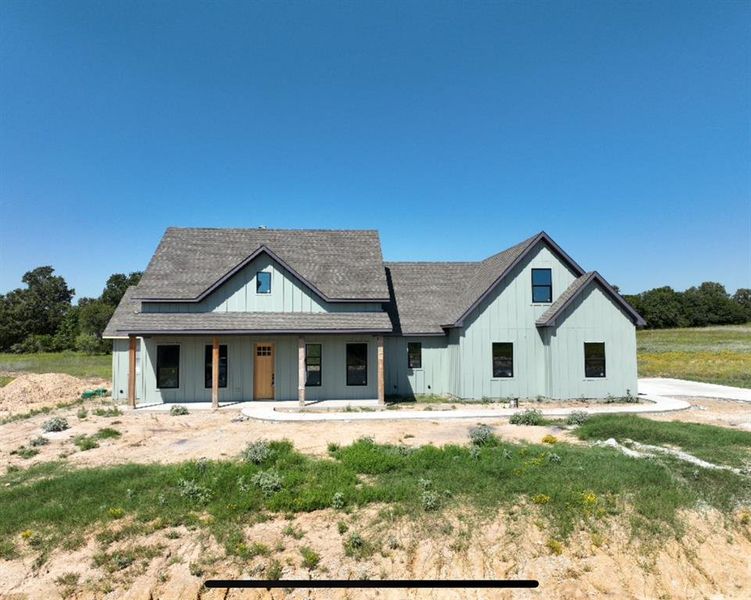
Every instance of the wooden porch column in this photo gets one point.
(381, 383)
(132, 371)
(301, 371)
(215, 373)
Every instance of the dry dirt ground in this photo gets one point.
(709, 562)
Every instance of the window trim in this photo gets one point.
(320, 366)
(258, 281)
(492, 360)
(179, 360)
(548, 286)
(208, 365)
(409, 357)
(604, 361)
(346, 364)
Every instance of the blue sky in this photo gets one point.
(456, 129)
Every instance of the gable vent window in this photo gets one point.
(594, 359)
(414, 355)
(357, 364)
(542, 285)
(263, 282)
(313, 365)
(208, 361)
(168, 367)
(503, 359)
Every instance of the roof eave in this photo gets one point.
(152, 332)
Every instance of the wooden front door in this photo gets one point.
(263, 372)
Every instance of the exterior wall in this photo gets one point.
(240, 369)
(509, 315)
(592, 317)
(432, 378)
(238, 294)
(120, 367)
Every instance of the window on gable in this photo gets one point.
(263, 282)
(208, 362)
(414, 355)
(312, 365)
(542, 285)
(357, 364)
(594, 359)
(503, 359)
(168, 367)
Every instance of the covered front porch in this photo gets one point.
(219, 368)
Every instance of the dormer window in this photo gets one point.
(263, 282)
(542, 285)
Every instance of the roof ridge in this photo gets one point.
(272, 229)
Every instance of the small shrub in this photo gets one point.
(274, 570)
(257, 452)
(549, 439)
(85, 442)
(25, 452)
(107, 433)
(191, 489)
(554, 546)
(343, 528)
(589, 498)
(481, 435)
(293, 532)
(55, 424)
(39, 441)
(355, 546)
(111, 411)
(577, 417)
(310, 558)
(269, 481)
(337, 501)
(531, 416)
(82, 413)
(68, 579)
(540, 499)
(178, 410)
(332, 447)
(554, 458)
(430, 500)
(116, 513)
(474, 452)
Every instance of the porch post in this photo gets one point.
(215, 373)
(381, 384)
(301, 371)
(132, 371)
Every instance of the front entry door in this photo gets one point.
(263, 372)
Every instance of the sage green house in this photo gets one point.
(231, 315)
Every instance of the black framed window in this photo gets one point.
(542, 285)
(357, 364)
(312, 365)
(503, 359)
(208, 361)
(263, 282)
(168, 367)
(414, 355)
(594, 359)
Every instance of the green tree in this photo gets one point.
(742, 298)
(710, 304)
(116, 286)
(660, 307)
(93, 316)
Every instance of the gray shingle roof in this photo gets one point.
(339, 265)
(577, 287)
(127, 320)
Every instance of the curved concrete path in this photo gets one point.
(285, 411)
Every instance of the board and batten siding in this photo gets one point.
(238, 294)
(592, 317)
(432, 378)
(120, 367)
(508, 315)
(240, 363)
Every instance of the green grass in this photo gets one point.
(713, 444)
(5, 380)
(72, 363)
(584, 484)
(710, 354)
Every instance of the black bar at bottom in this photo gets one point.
(371, 583)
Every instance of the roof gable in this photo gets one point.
(337, 265)
(551, 316)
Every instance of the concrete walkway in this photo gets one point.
(662, 386)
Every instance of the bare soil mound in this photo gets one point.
(31, 391)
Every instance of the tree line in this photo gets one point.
(42, 318)
(706, 304)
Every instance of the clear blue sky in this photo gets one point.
(456, 129)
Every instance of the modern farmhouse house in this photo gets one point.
(227, 315)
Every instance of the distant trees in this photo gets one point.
(707, 304)
(41, 318)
